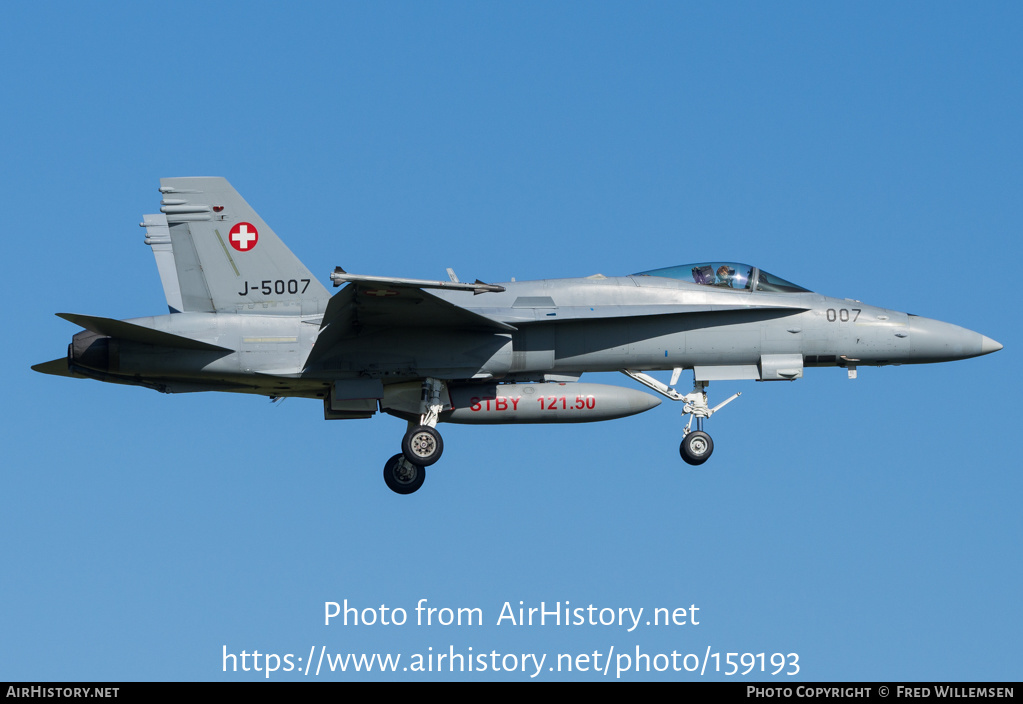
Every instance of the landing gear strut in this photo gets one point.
(696, 446)
(422, 445)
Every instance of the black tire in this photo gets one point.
(403, 477)
(422, 445)
(696, 447)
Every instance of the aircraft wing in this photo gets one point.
(387, 304)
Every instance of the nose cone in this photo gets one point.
(935, 341)
(987, 345)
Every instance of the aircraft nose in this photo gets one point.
(987, 345)
(935, 341)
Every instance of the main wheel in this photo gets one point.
(402, 476)
(422, 445)
(696, 447)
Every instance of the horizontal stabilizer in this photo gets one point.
(57, 367)
(136, 333)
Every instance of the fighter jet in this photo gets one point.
(246, 316)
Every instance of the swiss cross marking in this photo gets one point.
(244, 236)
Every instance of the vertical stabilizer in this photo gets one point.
(227, 258)
(158, 237)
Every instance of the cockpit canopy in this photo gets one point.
(727, 275)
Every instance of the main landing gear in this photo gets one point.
(422, 445)
(402, 476)
(696, 446)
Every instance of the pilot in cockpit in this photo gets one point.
(725, 275)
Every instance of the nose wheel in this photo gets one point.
(696, 447)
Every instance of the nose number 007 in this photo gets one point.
(842, 315)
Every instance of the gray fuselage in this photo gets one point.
(563, 326)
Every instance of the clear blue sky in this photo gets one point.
(865, 150)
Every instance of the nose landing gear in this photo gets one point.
(696, 447)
